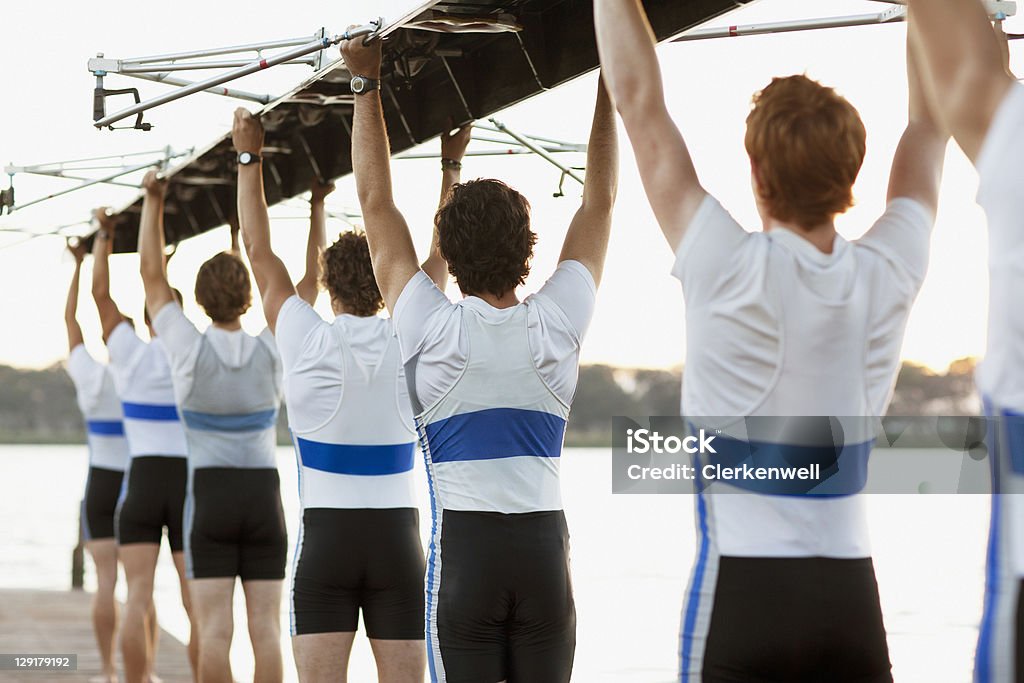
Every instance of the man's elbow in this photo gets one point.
(635, 99)
(600, 201)
(976, 85)
(372, 200)
(151, 272)
(260, 255)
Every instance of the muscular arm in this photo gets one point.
(151, 246)
(234, 228)
(587, 239)
(110, 316)
(963, 65)
(453, 150)
(917, 166)
(387, 233)
(632, 75)
(309, 286)
(272, 277)
(71, 307)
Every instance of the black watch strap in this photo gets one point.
(360, 85)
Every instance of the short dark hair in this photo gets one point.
(483, 231)
(145, 311)
(347, 275)
(223, 287)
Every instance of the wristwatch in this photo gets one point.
(246, 158)
(361, 85)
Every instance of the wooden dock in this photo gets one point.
(59, 622)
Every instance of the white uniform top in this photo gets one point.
(227, 384)
(142, 375)
(775, 327)
(492, 388)
(348, 409)
(1000, 379)
(1001, 169)
(101, 409)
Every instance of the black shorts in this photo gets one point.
(153, 499)
(359, 559)
(102, 491)
(235, 525)
(502, 600)
(796, 619)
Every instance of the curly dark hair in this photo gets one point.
(347, 275)
(223, 288)
(483, 231)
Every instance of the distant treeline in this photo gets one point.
(38, 406)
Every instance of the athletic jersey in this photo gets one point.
(227, 384)
(101, 410)
(777, 328)
(1000, 380)
(348, 409)
(142, 376)
(492, 388)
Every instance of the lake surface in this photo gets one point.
(630, 555)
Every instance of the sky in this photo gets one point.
(45, 116)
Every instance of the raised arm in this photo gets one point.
(453, 150)
(309, 286)
(71, 307)
(110, 315)
(917, 166)
(234, 228)
(151, 245)
(387, 233)
(963, 66)
(272, 277)
(587, 238)
(632, 75)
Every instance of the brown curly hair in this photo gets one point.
(807, 143)
(483, 231)
(347, 275)
(223, 288)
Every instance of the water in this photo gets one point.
(630, 558)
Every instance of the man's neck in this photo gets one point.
(822, 236)
(231, 326)
(506, 300)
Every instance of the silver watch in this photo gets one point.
(361, 85)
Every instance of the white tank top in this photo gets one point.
(230, 413)
(363, 456)
(151, 419)
(830, 327)
(493, 442)
(821, 373)
(101, 410)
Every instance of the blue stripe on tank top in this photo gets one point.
(693, 599)
(247, 422)
(496, 433)
(843, 469)
(105, 427)
(983, 653)
(432, 549)
(357, 460)
(150, 411)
